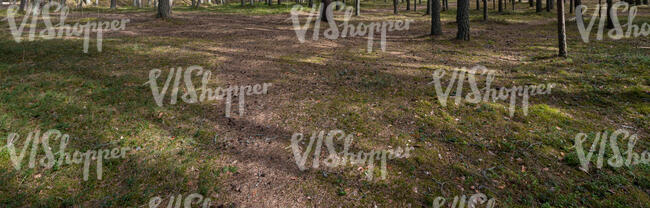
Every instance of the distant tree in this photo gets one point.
(357, 7)
(561, 29)
(500, 6)
(485, 13)
(323, 10)
(531, 3)
(428, 8)
(436, 26)
(408, 5)
(462, 19)
(113, 4)
(513, 4)
(478, 5)
(538, 7)
(164, 9)
(394, 6)
(415, 6)
(571, 6)
(610, 23)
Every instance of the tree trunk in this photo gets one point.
(478, 5)
(436, 26)
(561, 30)
(462, 19)
(428, 7)
(164, 9)
(610, 23)
(485, 13)
(500, 6)
(513, 5)
(323, 10)
(538, 7)
(571, 6)
(357, 7)
(415, 6)
(408, 5)
(113, 4)
(311, 3)
(531, 3)
(394, 6)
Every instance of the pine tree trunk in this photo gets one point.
(408, 5)
(538, 7)
(485, 13)
(357, 7)
(394, 6)
(428, 7)
(513, 5)
(415, 6)
(500, 6)
(610, 23)
(436, 26)
(164, 9)
(323, 10)
(571, 6)
(561, 29)
(113, 4)
(478, 5)
(531, 3)
(462, 19)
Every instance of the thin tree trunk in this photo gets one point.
(462, 19)
(485, 13)
(571, 2)
(436, 26)
(610, 23)
(428, 7)
(531, 3)
(500, 6)
(478, 5)
(357, 7)
(323, 10)
(394, 6)
(164, 9)
(415, 6)
(408, 5)
(538, 7)
(513, 5)
(561, 30)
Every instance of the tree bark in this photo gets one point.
(113, 4)
(513, 5)
(428, 7)
(436, 26)
(561, 30)
(164, 9)
(408, 5)
(478, 5)
(538, 7)
(462, 19)
(571, 6)
(531, 3)
(415, 6)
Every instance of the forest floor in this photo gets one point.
(384, 98)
